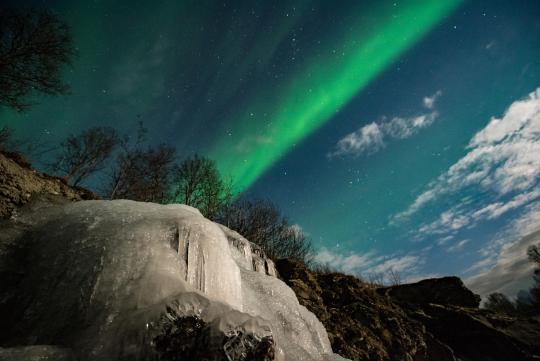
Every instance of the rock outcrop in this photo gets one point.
(19, 184)
(442, 291)
(361, 324)
(432, 320)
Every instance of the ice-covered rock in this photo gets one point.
(113, 280)
(247, 254)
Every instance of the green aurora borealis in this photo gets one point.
(313, 96)
(268, 89)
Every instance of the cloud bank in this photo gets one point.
(371, 137)
(505, 267)
(503, 163)
(499, 174)
(370, 264)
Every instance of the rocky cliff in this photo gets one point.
(432, 320)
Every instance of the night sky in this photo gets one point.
(399, 135)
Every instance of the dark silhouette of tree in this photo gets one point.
(498, 302)
(323, 268)
(144, 175)
(198, 183)
(524, 303)
(84, 154)
(261, 222)
(34, 45)
(534, 256)
(394, 277)
(527, 302)
(376, 279)
(124, 169)
(293, 243)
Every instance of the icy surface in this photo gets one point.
(296, 329)
(98, 274)
(248, 255)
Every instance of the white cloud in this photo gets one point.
(351, 263)
(429, 102)
(401, 128)
(505, 267)
(370, 138)
(370, 264)
(458, 246)
(403, 264)
(500, 173)
(297, 228)
(451, 220)
(503, 163)
(444, 240)
(494, 210)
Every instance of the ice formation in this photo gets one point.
(96, 277)
(247, 255)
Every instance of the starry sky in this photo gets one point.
(399, 135)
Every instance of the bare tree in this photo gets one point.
(525, 303)
(84, 154)
(125, 162)
(293, 243)
(159, 163)
(394, 277)
(140, 172)
(533, 252)
(261, 222)
(34, 45)
(143, 175)
(198, 183)
(322, 268)
(376, 279)
(534, 256)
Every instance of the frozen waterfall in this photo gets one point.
(99, 279)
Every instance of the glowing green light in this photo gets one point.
(313, 96)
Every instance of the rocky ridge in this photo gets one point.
(431, 320)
